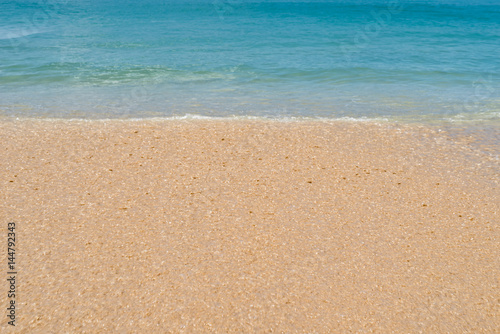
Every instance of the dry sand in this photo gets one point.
(249, 226)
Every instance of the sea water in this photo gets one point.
(357, 59)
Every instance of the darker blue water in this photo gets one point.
(424, 60)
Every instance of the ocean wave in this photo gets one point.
(13, 33)
(81, 74)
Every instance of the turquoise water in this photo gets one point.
(418, 60)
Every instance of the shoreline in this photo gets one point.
(422, 120)
(230, 226)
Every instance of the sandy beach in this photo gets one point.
(198, 226)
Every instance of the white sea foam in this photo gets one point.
(13, 33)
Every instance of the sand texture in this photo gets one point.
(194, 226)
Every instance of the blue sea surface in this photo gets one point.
(410, 60)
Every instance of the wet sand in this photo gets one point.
(249, 226)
